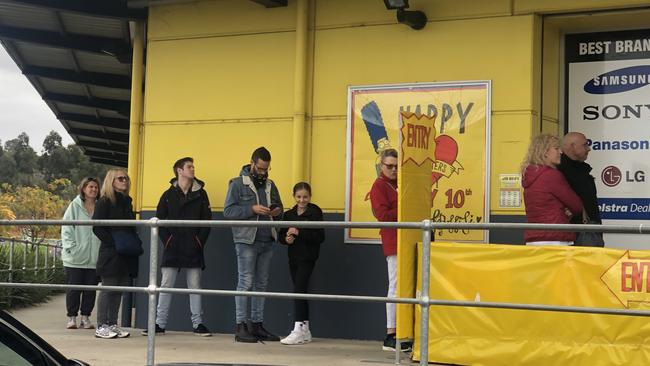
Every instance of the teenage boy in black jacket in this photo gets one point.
(183, 246)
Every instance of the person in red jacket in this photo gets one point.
(383, 198)
(549, 198)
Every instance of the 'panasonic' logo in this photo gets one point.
(619, 145)
(620, 80)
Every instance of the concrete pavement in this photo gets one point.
(48, 320)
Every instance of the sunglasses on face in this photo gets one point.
(390, 166)
(122, 178)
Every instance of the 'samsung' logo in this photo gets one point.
(618, 81)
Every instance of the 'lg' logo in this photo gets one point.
(612, 176)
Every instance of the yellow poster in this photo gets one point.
(564, 276)
(457, 143)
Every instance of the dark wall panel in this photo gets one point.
(349, 269)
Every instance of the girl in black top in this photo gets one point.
(304, 246)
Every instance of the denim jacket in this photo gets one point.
(241, 198)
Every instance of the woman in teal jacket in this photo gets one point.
(80, 251)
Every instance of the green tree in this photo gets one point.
(25, 161)
(56, 161)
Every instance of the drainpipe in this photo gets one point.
(299, 94)
(136, 114)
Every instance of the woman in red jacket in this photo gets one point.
(549, 198)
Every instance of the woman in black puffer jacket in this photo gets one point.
(113, 268)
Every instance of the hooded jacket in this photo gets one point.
(240, 199)
(80, 245)
(383, 198)
(547, 194)
(183, 246)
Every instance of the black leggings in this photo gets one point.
(300, 274)
(76, 298)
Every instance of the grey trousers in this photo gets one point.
(108, 302)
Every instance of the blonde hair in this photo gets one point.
(107, 187)
(537, 149)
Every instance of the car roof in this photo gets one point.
(39, 342)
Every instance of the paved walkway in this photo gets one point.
(48, 320)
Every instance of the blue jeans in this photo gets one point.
(253, 264)
(164, 300)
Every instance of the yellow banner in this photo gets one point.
(414, 182)
(454, 149)
(580, 276)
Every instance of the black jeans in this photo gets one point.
(300, 274)
(75, 298)
(108, 303)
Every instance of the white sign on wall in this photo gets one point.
(608, 99)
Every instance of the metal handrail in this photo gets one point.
(423, 300)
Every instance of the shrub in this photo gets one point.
(22, 297)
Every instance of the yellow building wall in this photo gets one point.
(219, 82)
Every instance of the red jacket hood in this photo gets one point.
(533, 172)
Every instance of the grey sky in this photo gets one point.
(22, 109)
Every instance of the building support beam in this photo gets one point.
(119, 106)
(114, 136)
(121, 123)
(83, 77)
(135, 113)
(271, 3)
(102, 45)
(100, 8)
(299, 92)
(122, 148)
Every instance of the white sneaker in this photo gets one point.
(121, 333)
(85, 323)
(104, 331)
(306, 335)
(296, 337)
(72, 322)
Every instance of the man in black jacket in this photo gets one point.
(575, 150)
(183, 246)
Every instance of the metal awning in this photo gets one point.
(77, 55)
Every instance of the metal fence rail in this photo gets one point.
(51, 250)
(423, 300)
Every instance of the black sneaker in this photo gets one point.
(202, 331)
(406, 346)
(159, 331)
(243, 335)
(262, 334)
(389, 343)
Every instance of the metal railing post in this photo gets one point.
(37, 249)
(11, 260)
(424, 293)
(56, 248)
(47, 257)
(25, 256)
(153, 279)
